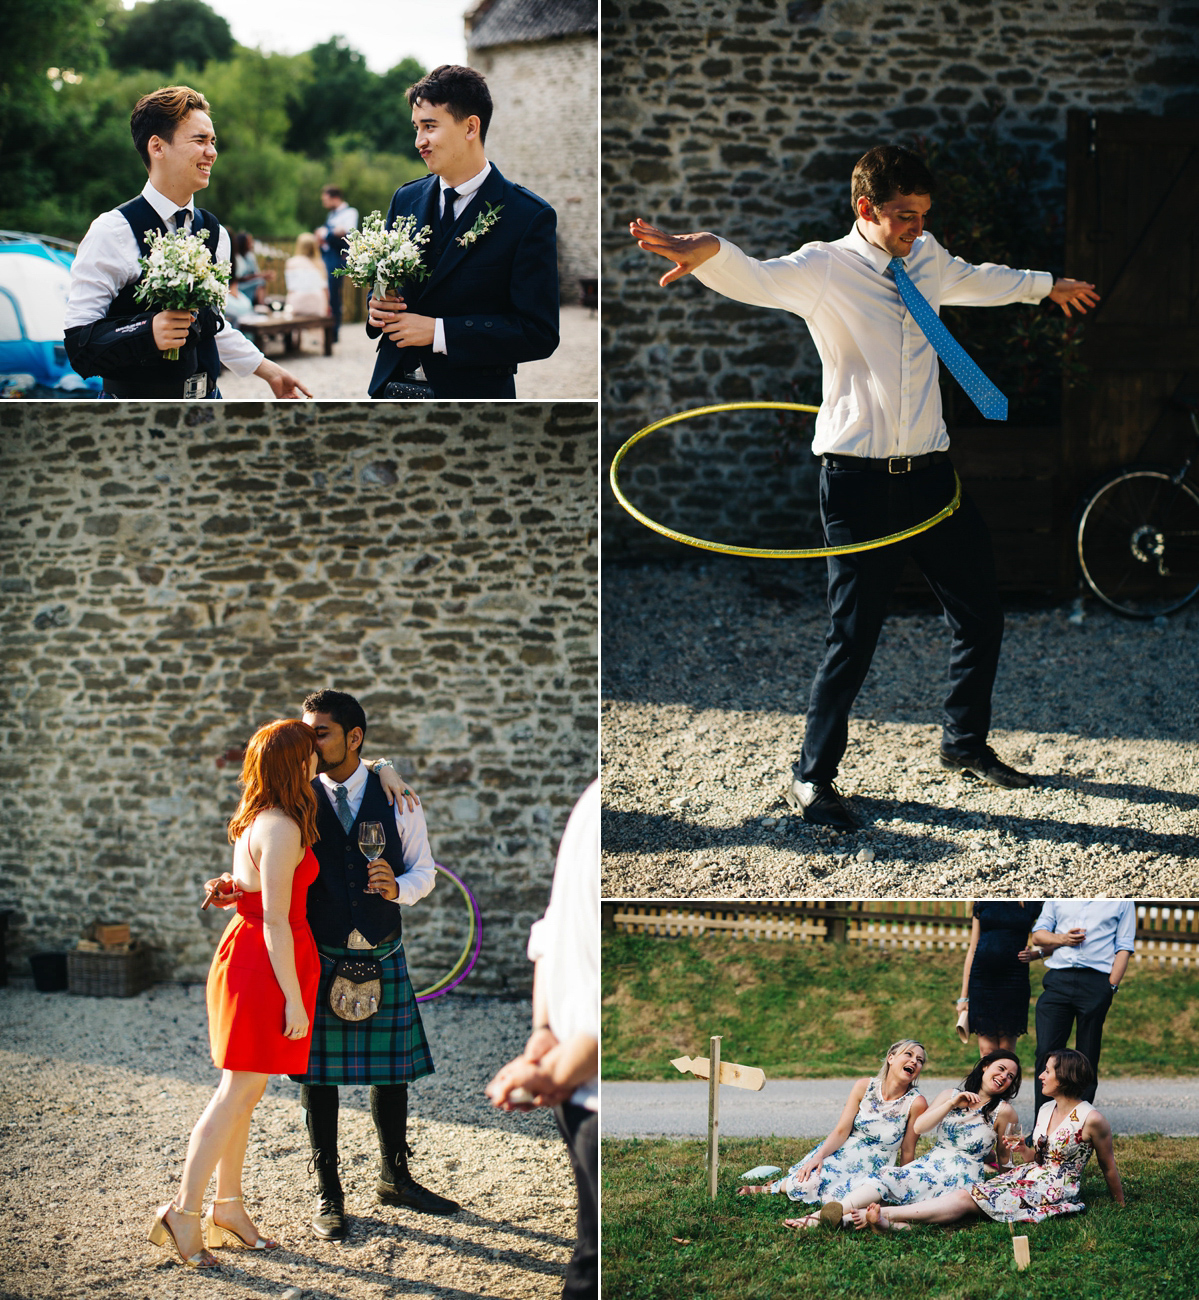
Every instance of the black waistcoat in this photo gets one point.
(199, 353)
(336, 902)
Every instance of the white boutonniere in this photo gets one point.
(483, 223)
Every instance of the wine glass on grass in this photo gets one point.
(371, 843)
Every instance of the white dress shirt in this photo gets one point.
(416, 876)
(107, 261)
(341, 220)
(1111, 926)
(880, 395)
(465, 193)
(566, 939)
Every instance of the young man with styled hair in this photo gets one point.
(490, 300)
(108, 333)
(871, 301)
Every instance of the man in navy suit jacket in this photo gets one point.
(491, 298)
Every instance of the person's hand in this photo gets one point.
(295, 1019)
(381, 312)
(223, 891)
(806, 1171)
(1072, 938)
(687, 252)
(529, 1075)
(965, 1100)
(540, 1041)
(381, 880)
(409, 330)
(1074, 293)
(170, 329)
(282, 382)
(1030, 954)
(395, 787)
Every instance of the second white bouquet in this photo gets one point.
(380, 259)
(178, 274)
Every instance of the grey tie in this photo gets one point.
(344, 815)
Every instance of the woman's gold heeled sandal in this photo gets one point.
(214, 1233)
(160, 1233)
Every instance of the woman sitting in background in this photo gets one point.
(307, 280)
(1068, 1129)
(261, 986)
(966, 1119)
(876, 1125)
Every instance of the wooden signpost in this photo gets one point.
(716, 1072)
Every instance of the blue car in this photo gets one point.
(35, 281)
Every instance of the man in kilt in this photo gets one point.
(354, 912)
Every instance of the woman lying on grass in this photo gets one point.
(875, 1126)
(1068, 1129)
(966, 1119)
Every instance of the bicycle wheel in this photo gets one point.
(1138, 543)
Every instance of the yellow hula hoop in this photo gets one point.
(758, 552)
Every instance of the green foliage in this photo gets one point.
(161, 34)
(826, 1010)
(664, 1239)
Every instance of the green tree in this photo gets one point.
(164, 33)
(334, 99)
(391, 117)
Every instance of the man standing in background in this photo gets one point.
(332, 238)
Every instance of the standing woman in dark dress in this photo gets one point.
(995, 984)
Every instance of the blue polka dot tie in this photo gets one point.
(989, 400)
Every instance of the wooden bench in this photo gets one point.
(259, 328)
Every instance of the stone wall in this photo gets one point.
(747, 119)
(544, 136)
(173, 576)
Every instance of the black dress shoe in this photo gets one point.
(410, 1193)
(329, 1222)
(987, 767)
(820, 804)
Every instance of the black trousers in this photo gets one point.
(1079, 995)
(955, 558)
(580, 1131)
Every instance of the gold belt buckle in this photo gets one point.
(358, 941)
(894, 460)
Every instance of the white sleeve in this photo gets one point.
(234, 349)
(965, 285)
(105, 263)
(794, 283)
(419, 875)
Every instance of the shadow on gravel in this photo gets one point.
(1145, 794)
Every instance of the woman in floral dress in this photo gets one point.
(1068, 1129)
(875, 1126)
(966, 1120)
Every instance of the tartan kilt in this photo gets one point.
(390, 1047)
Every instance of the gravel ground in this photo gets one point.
(706, 673)
(98, 1096)
(571, 373)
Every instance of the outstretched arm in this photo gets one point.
(1074, 293)
(686, 251)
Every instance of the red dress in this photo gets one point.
(245, 1002)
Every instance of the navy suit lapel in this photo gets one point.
(453, 254)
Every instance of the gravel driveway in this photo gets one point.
(705, 679)
(98, 1095)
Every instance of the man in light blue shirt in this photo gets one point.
(1087, 943)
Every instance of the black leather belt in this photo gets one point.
(387, 938)
(889, 464)
(149, 388)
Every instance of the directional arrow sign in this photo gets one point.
(740, 1076)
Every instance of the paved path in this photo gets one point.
(810, 1108)
(572, 373)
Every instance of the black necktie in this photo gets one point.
(446, 221)
(180, 218)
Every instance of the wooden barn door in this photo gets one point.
(1132, 227)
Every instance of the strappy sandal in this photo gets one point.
(160, 1233)
(806, 1222)
(215, 1233)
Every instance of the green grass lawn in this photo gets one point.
(823, 1010)
(656, 1192)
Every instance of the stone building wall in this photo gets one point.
(747, 119)
(172, 577)
(544, 136)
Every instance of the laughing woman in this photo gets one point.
(966, 1120)
(875, 1126)
(1068, 1129)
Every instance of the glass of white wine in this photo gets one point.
(371, 843)
(1007, 1131)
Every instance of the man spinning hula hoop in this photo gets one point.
(871, 301)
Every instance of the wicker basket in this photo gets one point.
(109, 974)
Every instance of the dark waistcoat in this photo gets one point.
(336, 902)
(198, 353)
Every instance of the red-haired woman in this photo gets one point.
(261, 987)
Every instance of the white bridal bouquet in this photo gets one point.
(380, 259)
(178, 274)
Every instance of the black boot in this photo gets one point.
(320, 1119)
(396, 1186)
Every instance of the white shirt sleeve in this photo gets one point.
(234, 349)
(1126, 928)
(419, 875)
(104, 264)
(965, 285)
(794, 283)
